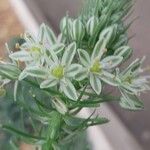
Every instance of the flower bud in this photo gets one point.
(65, 25)
(60, 106)
(78, 30)
(92, 25)
(124, 51)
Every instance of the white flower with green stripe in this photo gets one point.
(132, 81)
(97, 68)
(60, 72)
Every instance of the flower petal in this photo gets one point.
(84, 57)
(69, 54)
(57, 48)
(99, 49)
(124, 51)
(111, 61)
(95, 83)
(41, 33)
(21, 56)
(69, 90)
(37, 72)
(48, 83)
(83, 73)
(73, 70)
(50, 36)
(109, 78)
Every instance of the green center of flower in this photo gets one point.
(96, 68)
(129, 80)
(36, 49)
(58, 72)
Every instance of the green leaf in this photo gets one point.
(20, 133)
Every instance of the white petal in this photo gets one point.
(111, 61)
(41, 33)
(95, 83)
(73, 70)
(69, 54)
(54, 57)
(99, 49)
(50, 36)
(21, 56)
(48, 83)
(124, 51)
(69, 90)
(82, 74)
(84, 57)
(57, 48)
(36, 72)
(109, 78)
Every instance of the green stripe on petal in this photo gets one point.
(99, 49)
(95, 83)
(111, 61)
(50, 36)
(57, 48)
(21, 56)
(73, 70)
(92, 24)
(41, 33)
(36, 72)
(69, 54)
(109, 78)
(124, 51)
(78, 30)
(84, 57)
(69, 90)
(48, 83)
(82, 74)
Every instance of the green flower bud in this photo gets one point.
(65, 25)
(60, 106)
(124, 51)
(78, 30)
(92, 25)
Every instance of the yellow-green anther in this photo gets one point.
(96, 68)
(58, 72)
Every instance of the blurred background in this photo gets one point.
(137, 124)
